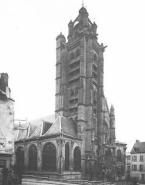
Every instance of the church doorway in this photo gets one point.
(77, 159)
(49, 158)
(32, 164)
(20, 155)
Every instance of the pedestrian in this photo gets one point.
(103, 175)
(5, 175)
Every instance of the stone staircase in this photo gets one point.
(32, 180)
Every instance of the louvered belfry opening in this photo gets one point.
(32, 165)
(20, 155)
(77, 159)
(49, 158)
(67, 157)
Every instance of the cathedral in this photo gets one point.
(79, 140)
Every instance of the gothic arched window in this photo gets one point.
(95, 57)
(67, 157)
(77, 53)
(108, 155)
(20, 155)
(77, 159)
(76, 91)
(72, 56)
(32, 163)
(71, 92)
(49, 158)
(119, 156)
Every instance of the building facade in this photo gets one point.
(6, 123)
(82, 133)
(137, 169)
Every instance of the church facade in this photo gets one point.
(79, 141)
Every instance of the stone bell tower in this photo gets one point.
(79, 79)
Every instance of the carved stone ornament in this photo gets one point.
(62, 89)
(25, 147)
(60, 142)
(81, 128)
(72, 143)
(39, 144)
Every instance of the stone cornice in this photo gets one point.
(71, 137)
(62, 109)
(73, 45)
(96, 46)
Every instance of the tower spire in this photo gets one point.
(82, 3)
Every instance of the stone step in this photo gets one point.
(41, 182)
(33, 181)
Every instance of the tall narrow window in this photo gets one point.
(77, 53)
(141, 158)
(67, 157)
(77, 159)
(135, 167)
(141, 167)
(119, 158)
(72, 56)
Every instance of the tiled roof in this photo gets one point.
(47, 126)
(24, 135)
(68, 127)
(37, 131)
(62, 125)
(139, 147)
(20, 133)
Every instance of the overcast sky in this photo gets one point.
(28, 29)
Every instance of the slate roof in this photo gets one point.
(47, 126)
(139, 147)
(63, 125)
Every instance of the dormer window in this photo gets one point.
(136, 149)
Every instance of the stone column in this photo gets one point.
(83, 166)
(15, 150)
(39, 156)
(61, 153)
(59, 156)
(71, 159)
(25, 157)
